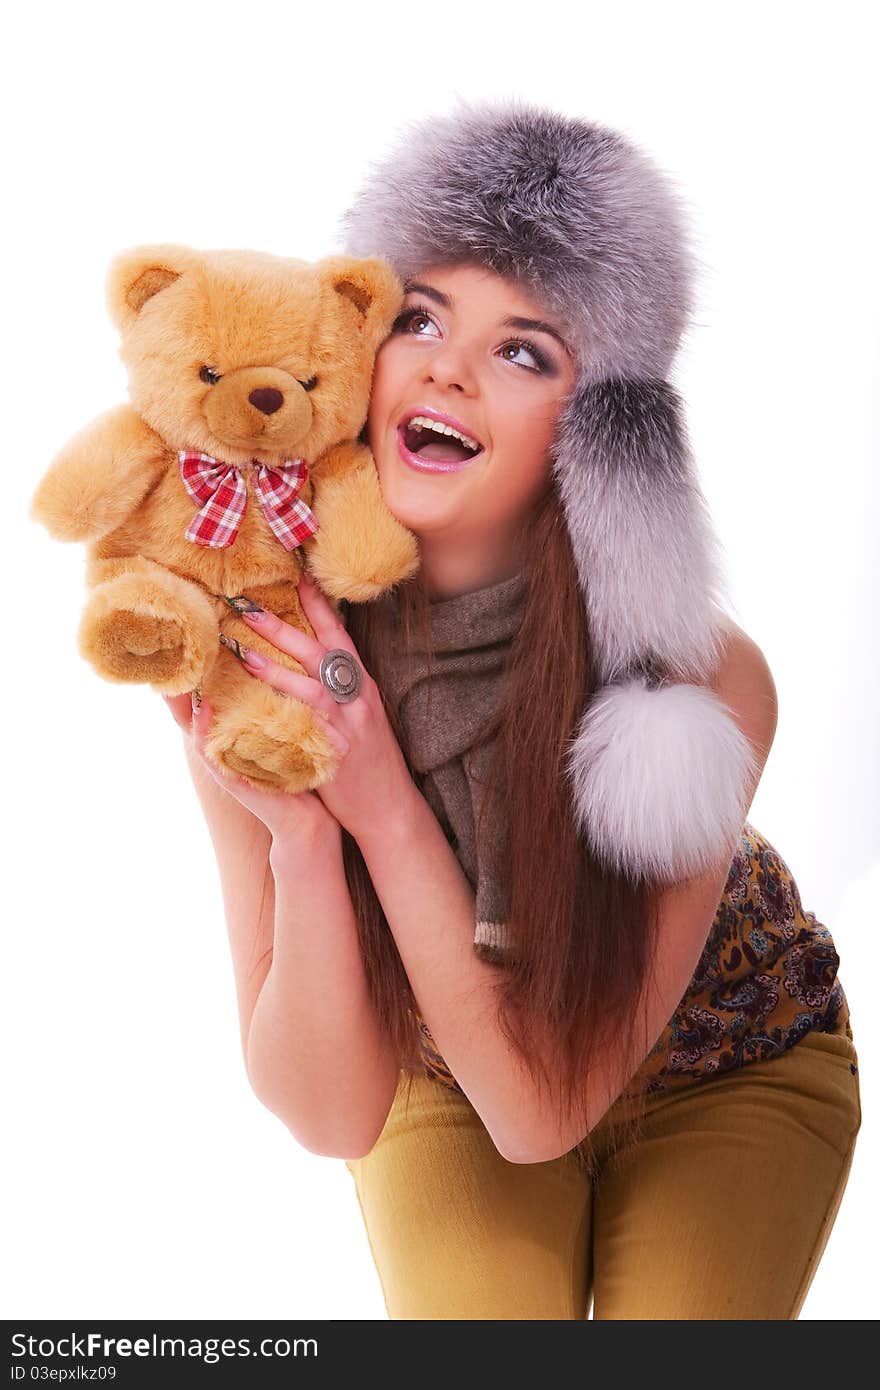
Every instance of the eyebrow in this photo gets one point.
(512, 321)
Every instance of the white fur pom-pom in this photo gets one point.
(659, 778)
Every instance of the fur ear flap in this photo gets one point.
(659, 770)
(649, 563)
(135, 275)
(370, 284)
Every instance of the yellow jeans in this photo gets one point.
(722, 1210)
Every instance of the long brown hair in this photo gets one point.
(581, 940)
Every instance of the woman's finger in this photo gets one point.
(181, 710)
(287, 638)
(202, 718)
(329, 628)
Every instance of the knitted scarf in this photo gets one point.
(442, 716)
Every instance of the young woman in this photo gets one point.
(523, 962)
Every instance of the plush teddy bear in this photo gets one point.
(249, 379)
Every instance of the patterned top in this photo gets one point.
(767, 976)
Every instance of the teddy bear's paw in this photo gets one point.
(129, 646)
(137, 633)
(285, 749)
(359, 576)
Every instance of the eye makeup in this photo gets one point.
(545, 364)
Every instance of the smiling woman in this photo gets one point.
(597, 958)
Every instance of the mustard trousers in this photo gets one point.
(721, 1210)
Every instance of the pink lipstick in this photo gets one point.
(419, 461)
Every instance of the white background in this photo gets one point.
(142, 1177)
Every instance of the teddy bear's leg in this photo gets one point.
(270, 739)
(146, 624)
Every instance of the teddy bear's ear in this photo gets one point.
(370, 284)
(136, 275)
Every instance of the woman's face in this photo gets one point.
(460, 349)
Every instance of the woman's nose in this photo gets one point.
(450, 368)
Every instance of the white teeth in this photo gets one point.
(427, 424)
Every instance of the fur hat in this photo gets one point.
(588, 226)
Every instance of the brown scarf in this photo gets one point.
(470, 638)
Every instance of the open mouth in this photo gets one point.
(435, 443)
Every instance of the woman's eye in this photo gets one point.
(408, 316)
(537, 358)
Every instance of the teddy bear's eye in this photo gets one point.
(310, 384)
(209, 376)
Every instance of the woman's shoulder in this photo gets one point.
(743, 665)
(744, 681)
(743, 668)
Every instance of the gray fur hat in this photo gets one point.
(588, 226)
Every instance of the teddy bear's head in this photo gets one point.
(240, 354)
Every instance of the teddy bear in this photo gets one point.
(235, 460)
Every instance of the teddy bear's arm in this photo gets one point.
(100, 476)
(360, 549)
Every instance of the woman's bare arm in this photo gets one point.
(430, 908)
(241, 846)
(315, 1052)
(318, 1054)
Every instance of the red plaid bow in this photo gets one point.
(221, 490)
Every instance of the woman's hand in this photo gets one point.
(285, 815)
(372, 780)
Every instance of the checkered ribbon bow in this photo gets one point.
(221, 490)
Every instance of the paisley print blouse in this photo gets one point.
(767, 976)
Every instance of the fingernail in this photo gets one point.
(233, 644)
(245, 607)
(243, 653)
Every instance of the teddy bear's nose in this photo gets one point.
(267, 399)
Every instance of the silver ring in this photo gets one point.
(341, 674)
